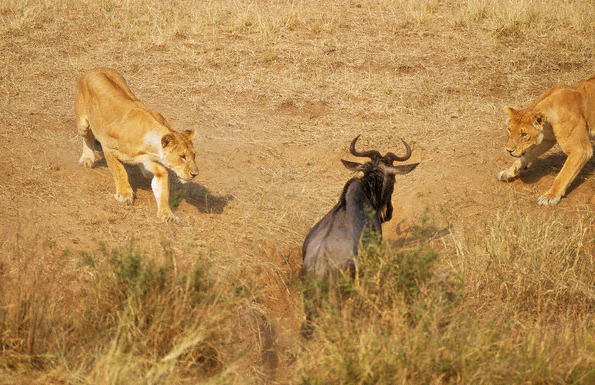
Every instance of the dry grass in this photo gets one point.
(481, 287)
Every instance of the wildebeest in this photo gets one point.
(364, 205)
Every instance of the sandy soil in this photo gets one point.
(48, 195)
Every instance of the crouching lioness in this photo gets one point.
(564, 115)
(128, 132)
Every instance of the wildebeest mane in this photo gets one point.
(378, 189)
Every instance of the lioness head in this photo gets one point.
(525, 129)
(178, 154)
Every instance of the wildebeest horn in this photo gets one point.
(372, 154)
(392, 157)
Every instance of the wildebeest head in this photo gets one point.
(332, 244)
(379, 176)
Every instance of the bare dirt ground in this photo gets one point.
(274, 149)
(275, 107)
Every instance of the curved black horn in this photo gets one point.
(372, 154)
(392, 157)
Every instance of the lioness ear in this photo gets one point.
(353, 166)
(168, 140)
(540, 120)
(510, 111)
(189, 134)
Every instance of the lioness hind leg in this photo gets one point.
(522, 162)
(124, 192)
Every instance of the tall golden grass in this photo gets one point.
(515, 308)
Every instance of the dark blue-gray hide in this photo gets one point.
(364, 205)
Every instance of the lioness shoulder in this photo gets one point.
(109, 113)
(564, 115)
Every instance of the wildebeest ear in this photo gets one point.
(353, 166)
(401, 169)
(168, 140)
(189, 134)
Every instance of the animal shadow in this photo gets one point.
(552, 165)
(193, 193)
(200, 197)
(417, 235)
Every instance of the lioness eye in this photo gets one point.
(183, 157)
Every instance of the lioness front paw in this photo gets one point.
(504, 176)
(127, 199)
(169, 218)
(86, 161)
(546, 200)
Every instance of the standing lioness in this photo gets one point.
(130, 133)
(564, 115)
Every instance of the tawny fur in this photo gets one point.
(109, 113)
(564, 115)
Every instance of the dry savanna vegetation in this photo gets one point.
(472, 283)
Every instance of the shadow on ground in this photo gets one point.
(195, 194)
(416, 235)
(552, 165)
